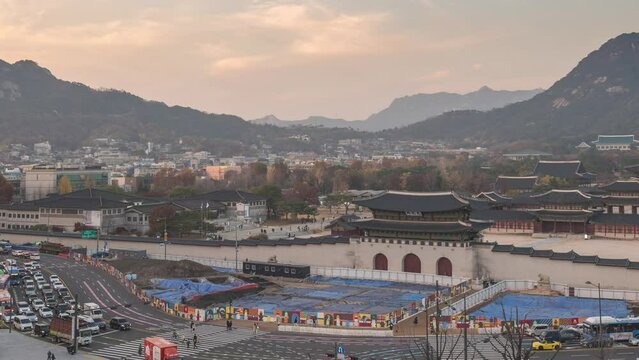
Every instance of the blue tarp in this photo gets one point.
(173, 290)
(548, 307)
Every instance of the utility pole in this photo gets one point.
(437, 319)
(465, 330)
(236, 248)
(166, 239)
(601, 350)
(75, 324)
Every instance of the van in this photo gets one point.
(87, 323)
(537, 329)
(22, 323)
(92, 310)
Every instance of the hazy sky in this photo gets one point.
(293, 59)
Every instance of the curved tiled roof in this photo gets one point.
(417, 202)
(622, 185)
(434, 227)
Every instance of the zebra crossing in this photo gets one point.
(208, 337)
(451, 348)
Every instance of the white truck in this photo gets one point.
(92, 310)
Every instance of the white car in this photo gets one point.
(37, 304)
(31, 316)
(23, 307)
(41, 284)
(45, 312)
(22, 323)
(8, 316)
(58, 285)
(53, 278)
(634, 341)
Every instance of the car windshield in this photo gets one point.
(25, 321)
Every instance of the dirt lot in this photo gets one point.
(149, 269)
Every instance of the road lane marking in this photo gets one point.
(131, 310)
(105, 306)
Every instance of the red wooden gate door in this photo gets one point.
(380, 262)
(444, 267)
(412, 264)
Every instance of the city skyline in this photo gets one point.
(297, 59)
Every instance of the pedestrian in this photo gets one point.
(192, 325)
(49, 355)
(140, 350)
(195, 341)
(188, 343)
(230, 324)
(52, 356)
(254, 328)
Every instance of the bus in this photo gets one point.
(619, 329)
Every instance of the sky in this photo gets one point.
(293, 59)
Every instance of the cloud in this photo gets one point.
(440, 74)
(232, 64)
(477, 66)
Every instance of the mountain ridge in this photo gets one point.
(410, 109)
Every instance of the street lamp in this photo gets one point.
(165, 237)
(598, 285)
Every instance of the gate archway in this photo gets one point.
(444, 267)
(412, 264)
(380, 262)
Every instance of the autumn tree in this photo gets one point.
(6, 190)
(158, 216)
(278, 174)
(64, 185)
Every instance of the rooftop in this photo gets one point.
(565, 169)
(615, 139)
(415, 202)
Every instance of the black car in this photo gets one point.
(100, 323)
(41, 329)
(569, 335)
(62, 307)
(119, 323)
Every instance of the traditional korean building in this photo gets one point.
(438, 219)
(511, 185)
(615, 142)
(622, 197)
(572, 171)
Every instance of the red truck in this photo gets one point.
(157, 348)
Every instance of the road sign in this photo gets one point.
(89, 234)
(340, 349)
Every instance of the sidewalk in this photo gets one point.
(21, 346)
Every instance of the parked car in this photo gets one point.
(546, 345)
(634, 341)
(569, 334)
(593, 341)
(536, 329)
(550, 336)
(119, 323)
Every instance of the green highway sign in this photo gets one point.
(89, 234)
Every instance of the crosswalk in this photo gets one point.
(452, 347)
(208, 336)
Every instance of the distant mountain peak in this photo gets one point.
(599, 96)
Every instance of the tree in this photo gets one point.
(278, 174)
(40, 227)
(158, 216)
(64, 185)
(273, 196)
(111, 188)
(182, 191)
(6, 190)
(340, 199)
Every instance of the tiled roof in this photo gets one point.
(585, 259)
(505, 183)
(563, 256)
(495, 215)
(415, 202)
(561, 169)
(563, 197)
(417, 226)
(542, 253)
(615, 139)
(614, 262)
(522, 251)
(623, 185)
